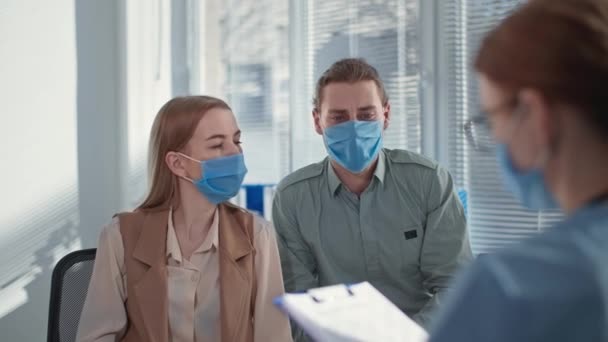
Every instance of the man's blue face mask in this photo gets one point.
(221, 178)
(354, 144)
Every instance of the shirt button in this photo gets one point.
(194, 277)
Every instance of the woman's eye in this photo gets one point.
(217, 146)
(238, 142)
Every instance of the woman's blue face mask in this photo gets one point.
(221, 178)
(354, 144)
(528, 186)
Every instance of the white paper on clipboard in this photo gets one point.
(350, 313)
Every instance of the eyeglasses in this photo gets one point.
(478, 129)
(478, 133)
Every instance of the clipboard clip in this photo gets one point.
(330, 293)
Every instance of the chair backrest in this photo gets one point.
(69, 287)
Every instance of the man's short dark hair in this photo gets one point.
(349, 70)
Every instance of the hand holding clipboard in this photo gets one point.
(350, 313)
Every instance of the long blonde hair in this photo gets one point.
(173, 127)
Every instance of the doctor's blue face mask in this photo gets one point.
(354, 144)
(528, 186)
(221, 177)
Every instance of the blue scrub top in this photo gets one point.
(553, 287)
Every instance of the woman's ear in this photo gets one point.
(175, 163)
(538, 110)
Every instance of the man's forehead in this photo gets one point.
(363, 85)
(363, 93)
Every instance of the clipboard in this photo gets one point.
(342, 313)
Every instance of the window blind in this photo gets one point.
(255, 82)
(148, 85)
(383, 32)
(41, 213)
(495, 218)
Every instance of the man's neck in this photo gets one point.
(355, 183)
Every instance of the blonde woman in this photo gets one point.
(186, 265)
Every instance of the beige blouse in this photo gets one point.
(193, 289)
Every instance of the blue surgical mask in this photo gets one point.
(354, 144)
(528, 186)
(221, 177)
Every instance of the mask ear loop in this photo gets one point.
(554, 141)
(519, 112)
(192, 159)
(542, 160)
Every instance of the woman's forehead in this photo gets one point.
(490, 92)
(217, 121)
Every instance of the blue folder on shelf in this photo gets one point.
(343, 313)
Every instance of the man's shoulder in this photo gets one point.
(302, 175)
(397, 156)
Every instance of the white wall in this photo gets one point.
(59, 140)
(148, 79)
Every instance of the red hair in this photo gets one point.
(560, 48)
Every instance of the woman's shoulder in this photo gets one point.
(260, 224)
(263, 230)
(128, 218)
(120, 222)
(131, 223)
(110, 237)
(111, 229)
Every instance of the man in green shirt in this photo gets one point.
(390, 217)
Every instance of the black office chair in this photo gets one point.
(69, 287)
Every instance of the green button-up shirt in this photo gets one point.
(405, 234)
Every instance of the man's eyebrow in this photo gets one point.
(338, 111)
(366, 108)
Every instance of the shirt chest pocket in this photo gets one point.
(408, 243)
(401, 246)
(411, 243)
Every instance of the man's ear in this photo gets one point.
(387, 115)
(316, 117)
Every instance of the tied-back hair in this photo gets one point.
(560, 48)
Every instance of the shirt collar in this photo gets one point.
(173, 249)
(334, 181)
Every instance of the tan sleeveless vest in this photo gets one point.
(144, 235)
